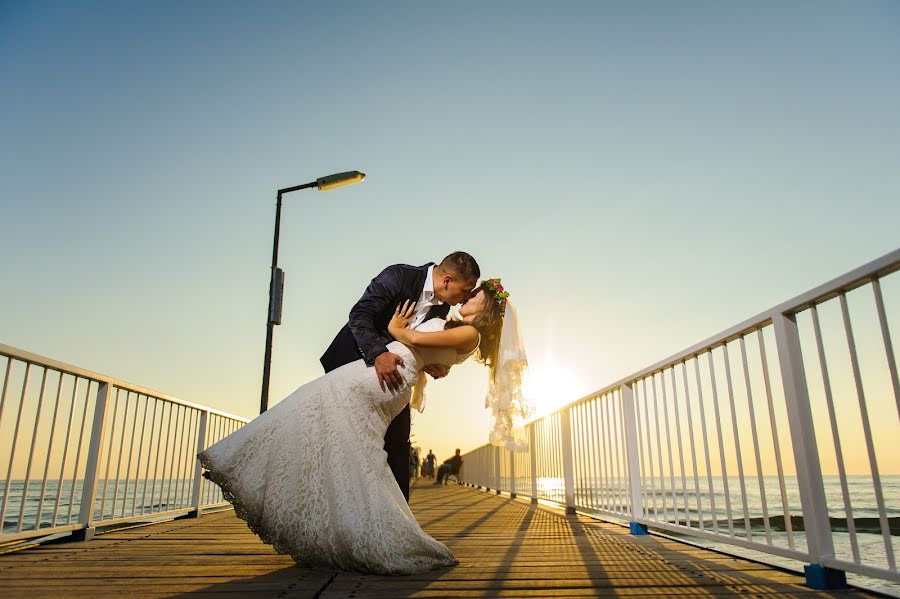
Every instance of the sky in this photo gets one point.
(642, 175)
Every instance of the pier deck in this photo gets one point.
(506, 548)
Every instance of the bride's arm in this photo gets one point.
(459, 338)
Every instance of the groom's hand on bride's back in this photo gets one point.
(437, 371)
(386, 367)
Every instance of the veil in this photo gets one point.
(509, 407)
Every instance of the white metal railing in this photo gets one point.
(727, 440)
(80, 450)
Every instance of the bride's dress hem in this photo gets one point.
(239, 509)
(246, 515)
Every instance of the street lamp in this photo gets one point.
(276, 283)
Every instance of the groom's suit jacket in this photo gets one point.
(366, 335)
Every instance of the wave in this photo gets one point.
(778, 523)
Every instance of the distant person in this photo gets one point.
(428, 465)
(286, 471)
(451, 466)
(413, 462)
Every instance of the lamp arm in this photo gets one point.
(295, 188)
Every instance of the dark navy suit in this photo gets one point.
(365, 336)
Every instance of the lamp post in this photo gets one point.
(276, 283)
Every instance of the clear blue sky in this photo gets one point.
(641, 174)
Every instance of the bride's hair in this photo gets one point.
(489, 322)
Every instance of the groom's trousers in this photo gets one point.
(396, 444)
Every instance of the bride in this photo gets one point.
(310, 475)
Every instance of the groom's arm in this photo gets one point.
(378, 298)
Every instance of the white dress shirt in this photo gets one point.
(426, 300)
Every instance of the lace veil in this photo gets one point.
(509, 407)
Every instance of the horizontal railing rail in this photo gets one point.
(83, 450)
(728, 439)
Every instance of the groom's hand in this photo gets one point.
(437, 371)
(386, 366)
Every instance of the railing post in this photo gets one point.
(91, 472)
(498, 470)
(806, 456)
(512, 474)
(198, 468)
(482, 471)
(482, 468)
(634, 467)
(565, 431)
(532, 450)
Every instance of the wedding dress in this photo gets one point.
(310, 475)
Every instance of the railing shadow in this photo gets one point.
(290, 581)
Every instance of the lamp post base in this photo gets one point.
(84, 534)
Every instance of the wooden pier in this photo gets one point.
(506, 548)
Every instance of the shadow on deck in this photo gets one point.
(506, 548)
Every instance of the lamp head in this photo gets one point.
(339, 180)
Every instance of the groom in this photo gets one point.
(434, 288)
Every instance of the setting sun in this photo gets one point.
(550, 387)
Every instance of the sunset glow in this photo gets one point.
(551, 387)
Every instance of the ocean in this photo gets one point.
(158, 496)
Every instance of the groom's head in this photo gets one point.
(455, 277)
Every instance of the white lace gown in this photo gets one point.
(310, 475)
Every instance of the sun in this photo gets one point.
(550, 387)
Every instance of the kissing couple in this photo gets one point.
(324, 475)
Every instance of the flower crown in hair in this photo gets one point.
(500, 296)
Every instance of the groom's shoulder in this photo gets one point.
(407, 269)
(402, 274)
